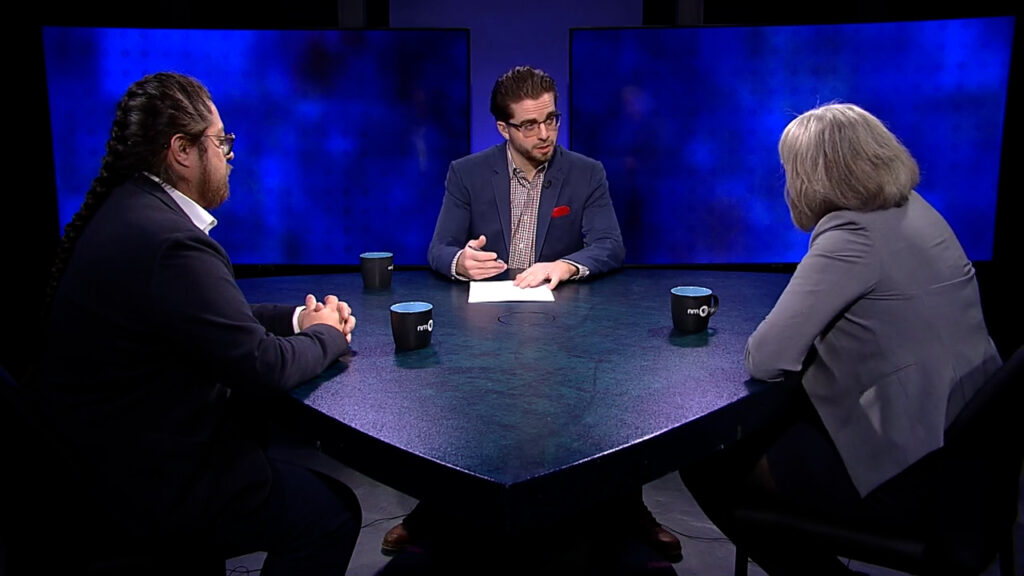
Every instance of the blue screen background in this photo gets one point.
(687, 121)
(343, 136)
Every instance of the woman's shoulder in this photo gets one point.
(873, 221)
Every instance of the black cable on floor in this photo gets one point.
(695, 537)
(379, 520)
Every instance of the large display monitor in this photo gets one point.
(687, 119)
(343, 136)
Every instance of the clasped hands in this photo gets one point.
(476, 264)
(331, 311)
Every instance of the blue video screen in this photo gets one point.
(687, 122)
(343, 136)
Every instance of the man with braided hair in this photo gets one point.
(161, 379)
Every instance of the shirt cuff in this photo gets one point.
(295, 318)
(454, 262)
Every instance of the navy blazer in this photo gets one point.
(148, 336)
(575, 220)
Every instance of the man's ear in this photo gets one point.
(179, 152)
(503, 129)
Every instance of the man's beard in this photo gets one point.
(532, 155)
(211, 194)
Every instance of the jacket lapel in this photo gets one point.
(502, 190)
(550, 190)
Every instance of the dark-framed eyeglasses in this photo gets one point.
(530, 127)
(225, 142)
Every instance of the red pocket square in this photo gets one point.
(560, 211)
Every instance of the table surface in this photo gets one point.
(530, 407)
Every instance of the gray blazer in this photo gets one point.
(889, 302)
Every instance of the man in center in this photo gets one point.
(526, 204)
(530, 206)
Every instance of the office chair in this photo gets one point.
(7, 487)
(37, 534)
(25, 505)
(980, 467)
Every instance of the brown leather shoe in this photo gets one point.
(396, 540)
(665, 542)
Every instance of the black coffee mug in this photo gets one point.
(692, 307)
(376, 268)
(412, 324)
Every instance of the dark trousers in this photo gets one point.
(425, 518)
(605, 540)
(308, 524)
(796, 466)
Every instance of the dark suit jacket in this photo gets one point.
(575, 220)
(148, 337)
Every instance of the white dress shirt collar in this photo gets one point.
(199, 216)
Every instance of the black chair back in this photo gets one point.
(30, 514)
(972, 508)
(976, 507)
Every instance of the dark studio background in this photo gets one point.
(342, 135)
(500, 37)
(686, 121)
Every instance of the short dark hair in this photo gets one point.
(839, 157)
(518, 84)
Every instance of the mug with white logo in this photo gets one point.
(692, 307)
(412, 324)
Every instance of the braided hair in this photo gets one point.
(150, 113)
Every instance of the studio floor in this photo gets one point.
(705, 551)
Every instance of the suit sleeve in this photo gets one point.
(207, 318)
(837, 270)
(275, 317)
(451, 232)
(603, 249)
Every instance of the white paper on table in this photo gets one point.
(505, 291)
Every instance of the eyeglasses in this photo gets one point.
(530, 127)
(226, 142)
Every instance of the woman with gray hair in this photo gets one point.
(882, 322)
